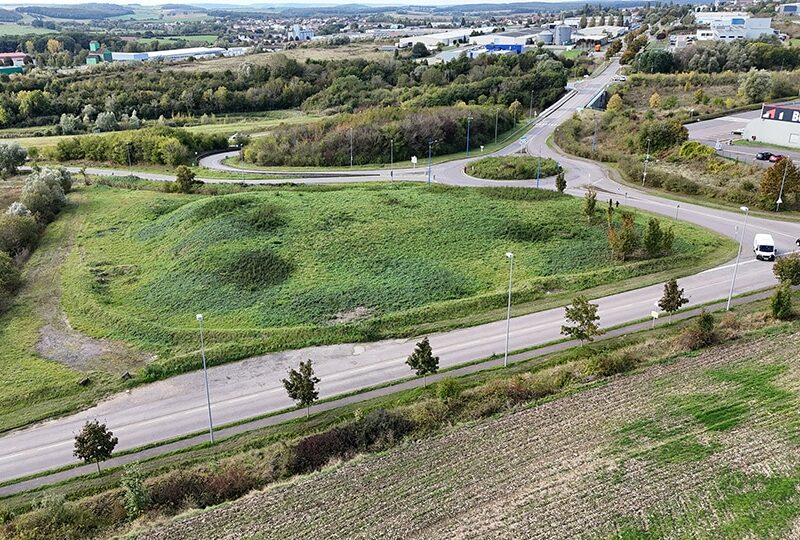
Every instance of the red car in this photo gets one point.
(774, 158)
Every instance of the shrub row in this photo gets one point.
(513, 168)
(160, 145)
(370, 135)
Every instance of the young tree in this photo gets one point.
(655, 101)
(787, 269)
(783, 172)
(515, 109)
(301, 386)
(12, 156)
(673, 298)
(422, 360)
(755, 86)
(590, 204)
(624, 241)
(94, 443)
(137, 496)
(582, 320)
(561, 182)
(184, 179)
(704, 326)
(610, 213)
(614, 104)
(781, 302)
(656, 240)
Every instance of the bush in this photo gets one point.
(43, 194)
(137, 497)
(700, 334)
(9, 275)
(12, 155)
(513, 168)
(781, 302)
(788, 268)
(605, 365)
(663, 134)
(448, 390)
(17, 233)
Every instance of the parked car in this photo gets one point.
(774, 158)
(764, 247)
(763, 156)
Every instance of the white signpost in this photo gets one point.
(414, 161)
(523, 140)
(654, 315)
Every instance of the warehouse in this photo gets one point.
(172, 54)
(451, 37)
(777, 124)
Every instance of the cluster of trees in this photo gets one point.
(781, 180)
(718, 56)
(43, 196)
(161, 145)
(328, 142)
(339, 86)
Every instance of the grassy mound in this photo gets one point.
(290, 267)
(512, 168)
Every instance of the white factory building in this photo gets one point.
(172, 54)
(451, 37)
(788, 9)
(298, 33)
(735, 28)
(708, 17)
(778, 124)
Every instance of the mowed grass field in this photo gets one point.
(701, 446)
(290, 267)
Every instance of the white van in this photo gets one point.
(764, 247)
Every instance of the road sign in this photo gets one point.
(654, 314)
(523, 140)
(414, 160)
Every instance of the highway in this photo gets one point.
(251, 387)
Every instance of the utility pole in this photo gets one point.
(430, 160)
(538, 168)
(646, 161)
(738, 254)
(205, 375)
(783, 181)
(594, 136)
(391, 159)
(351, 148)
(469, 122)
(508, 315)
(496, 113)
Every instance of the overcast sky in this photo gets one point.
(292, 4)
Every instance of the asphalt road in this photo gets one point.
(251, 387)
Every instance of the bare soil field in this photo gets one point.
(704, 446)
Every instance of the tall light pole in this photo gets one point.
(508, 316)
(205, 375)
(469, 122)
(783, 181)
(530, 111)
(646, 160)
(430, 159)
(739, 254)
(538, 168)
(351, 148)
(496, 114)
(391, 158)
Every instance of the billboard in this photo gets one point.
(780, 113)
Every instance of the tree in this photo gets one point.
(655, 101)
(755, 86)
(106, 121)
(583, 21)
(43, 194)
(301, 385)
(422, 360)
(673, 298)
(582, 320)
(9, 276)
(589, 204)
(94, 443)
(18, 232)
(137, 496)
(614, 104)
(782, 172)
(781, 302)
(561, 182)
(419, 50)
(514, 110)
(624, 241)
(787, 269)
(656, 240)
(32, 102)
(69, 124)
(12, 156)
(704, 327)
(184, 179)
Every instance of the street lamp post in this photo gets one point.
(205, 375)
(646, 160)
(538, 168)
(430, 159)
(351, 148)
(530, 111)
(783, 181)
(508, 316)
(469, 122)
(391, 159)
(496, 114)
(738, 254)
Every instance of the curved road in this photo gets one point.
(251, 387)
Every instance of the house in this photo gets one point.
(97, 54)
(15, 59)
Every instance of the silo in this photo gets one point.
(546, 37)
(563, 35)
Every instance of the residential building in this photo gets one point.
(298, 33)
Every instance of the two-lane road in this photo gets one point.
(239, 390)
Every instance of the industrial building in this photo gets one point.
(777, 124)
(705, 18)
(451, 37)
(788, 9)
(522, 36)
(13, 59)
(735, 28)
